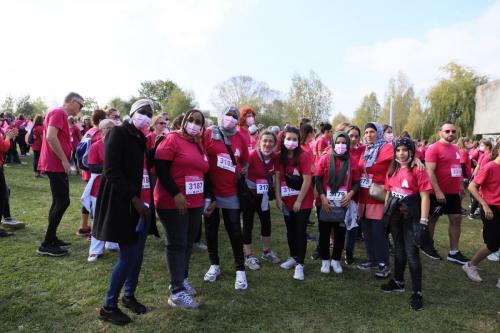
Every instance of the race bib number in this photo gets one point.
(262, 186)
(224, 162)
(145, 180)
(398, 195)
(194, 185)
(288, 192)
(456, 171)
(366, 181)
(335, 198)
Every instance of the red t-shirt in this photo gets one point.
(484, 158)
(222, 171)
(49, 162)
(188, 170)
(464, 159)
(376, 173)
(357, 152)
(37, 137)
(246, 136)
(75, 136)
(448, 170)
(474, 154)
(323, 170)
(96, 157)
(420, 153)
(256, 172)
(488, 178)
(321, 145)
(406, 182)
(303, 168)
(95, 135)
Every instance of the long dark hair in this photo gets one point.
(304, 132)
(410, 145)
(494, 152)
(284, 151)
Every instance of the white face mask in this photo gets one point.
(250, 121)
(229, 122)
(340, 148)
(290, 144)
(252, 129)
(192, 129)
(141, 121)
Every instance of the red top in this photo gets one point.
(189, 165)
(464, 159)
(484, 158)
(420, 152)
(256, 172)
(48, 160)
(474, 154)
(95, 136)
(448, 170)
(376, 173)
(323, 170)
(406, 182)
(246, 136)
(321, 145)
(75, 136)
(37, 137)
(4, 147)
(357, 152)
(222, 171)
(303, 168)
(488, 178)
(96, 157)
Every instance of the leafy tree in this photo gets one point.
(179, 102)
(89, 105)
(8, 105)
(308, 98)
(272, 114)
(452, 99)
(24, 106)
(415, 122)
(158, 91)
(402, 95)
(39, 106)
(123, 106)
(367, 111)
(340, 118)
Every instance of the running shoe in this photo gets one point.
(212, 274)
(457, 258)
(183, 300)
(240, 282)
(417, 301)
(393, 286)
(299, 272)
(271, 257)
(471, 272)
(187, 286)
(289, 263)
(383, 271)
(252, 263)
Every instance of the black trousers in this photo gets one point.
(296, 224)
(405, 251)
(59, 187)
(264, 217)
(3, 193)
(12, 155)
(36, 158)
(232, 223)
(325, 230)
(180, 232)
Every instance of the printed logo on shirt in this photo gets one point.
(405, 184)
(296, 172)
(457, 155)
(237, 152)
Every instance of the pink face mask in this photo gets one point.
(141, 121)
(192, 129)
(250, 121)
(290, 144)
(228, 122)
(340, 148)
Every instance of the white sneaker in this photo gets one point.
(183, 300)
(241, 281)
(495, 256)
(271, 257)
(252, 262)
(93, 258)
(337, 267)
(325, 266)
(189, 290)
(212, 274)
(299, 272)
(471, 272)
(289, 263)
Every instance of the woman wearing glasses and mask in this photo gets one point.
(181, 164)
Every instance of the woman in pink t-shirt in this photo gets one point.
(407, 210)
(181, 164)
(325, 139)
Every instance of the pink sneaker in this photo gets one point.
(471, 272)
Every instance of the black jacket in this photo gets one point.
(115, 216)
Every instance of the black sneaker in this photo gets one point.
(114, 316)
(349, 260)
(51, 250)
(4, 233)
(457, 258)
(383, 271)
(61, 243)
(393, 286)
(430, 251)
(134, 306)
(417, 301)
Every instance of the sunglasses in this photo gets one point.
(161, 123)
(450, 131)
(80, 104)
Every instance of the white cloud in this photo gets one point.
(474, 44)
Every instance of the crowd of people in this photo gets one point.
(371, 184)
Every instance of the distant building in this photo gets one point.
(487, 115)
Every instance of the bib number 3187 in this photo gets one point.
(194, 185)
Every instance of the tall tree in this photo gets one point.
(308, 98)
(123, 106)
(368, 110)
(272, 114)
(402, 94)
(415, 122)
(39, 106)
(24, 106)
(339, 119)
(89, 105)
(178, 103)
(8, 105)
(158, 91)
(452, 99)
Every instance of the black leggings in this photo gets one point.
(264, 217)
(405, 251)
(325, 230)
(59, 186)
(232, 223)
(36, 157)
(296, 224)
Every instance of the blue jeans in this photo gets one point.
(376, 242)
(127, 269)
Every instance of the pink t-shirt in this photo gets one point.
(484, 158)
(303, 168)
(96, 157)
(406, 182)
(49, 162)
(189, 165)
(488, 178)
(464, 159)
(448, 169)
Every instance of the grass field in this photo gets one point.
(41, 294)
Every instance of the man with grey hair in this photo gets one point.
(55, 162)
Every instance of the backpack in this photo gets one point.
(83, 150)
(31, 137)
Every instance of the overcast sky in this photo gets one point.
(104, 49)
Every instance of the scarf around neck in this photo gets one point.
(335, 181)
(371, 151)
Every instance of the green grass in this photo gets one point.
(41, 294)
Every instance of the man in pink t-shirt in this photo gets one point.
(442, 160)
(55, 162)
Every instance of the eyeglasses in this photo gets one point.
(450, 131)
(78, 102)
(161, 123)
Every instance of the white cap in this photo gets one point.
(139, 104)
